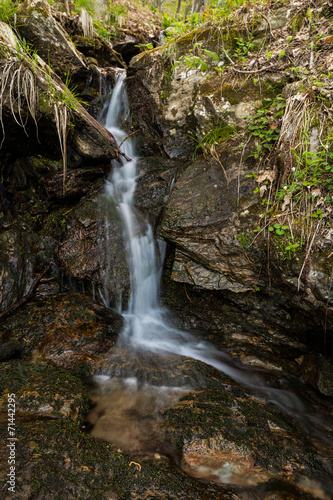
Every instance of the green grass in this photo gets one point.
(7, 10)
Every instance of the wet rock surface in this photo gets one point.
(16, 266)
(66, 330)
(93, 247)
(154, 185)
(41, 392)
(79, 466)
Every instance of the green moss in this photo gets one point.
(59, 461)
(296, 23)
(56, 223)
(37, 385)
(213, 38)
(273, 88)
(245, 240)
(226, 132)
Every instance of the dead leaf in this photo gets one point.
(266, 175)
(262, 190)
(286, 201)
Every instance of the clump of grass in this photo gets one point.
(8, 9)
(18, 86)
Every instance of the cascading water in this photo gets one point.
(147, 328)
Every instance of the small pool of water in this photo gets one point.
(127, 413)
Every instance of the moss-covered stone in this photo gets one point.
(57, 460)
(245, 431)
(65, 329)
(41, 391)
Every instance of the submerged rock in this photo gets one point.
(226, 435)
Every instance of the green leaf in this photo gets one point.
(271, 229)
(277, 225)
(213, 55)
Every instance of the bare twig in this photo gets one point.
(307, 256)
(269, 25)
(251, 72)
(122, 142)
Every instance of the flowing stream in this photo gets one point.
(147, 326)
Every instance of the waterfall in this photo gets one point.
(147, 327)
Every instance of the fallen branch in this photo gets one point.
(123, 154)
(269, 25)
(26, 297)
(122, 142)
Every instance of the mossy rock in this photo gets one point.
(57, 460)
(244, 91)
(66, 329)
(41, 391)
(212, 37)
(225, 427)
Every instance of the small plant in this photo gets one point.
(145, 46)
(292, 248)
(278, 229)
(87, 5)
(218, 133)
(243, 47)
(106, 33)
(263, 126)
(18, 85)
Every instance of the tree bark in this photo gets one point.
(198, 5)
(178, 6)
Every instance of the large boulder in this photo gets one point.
(39, 28)
(93, 248)
(45, 100)
(209, 204)
(41, 391)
